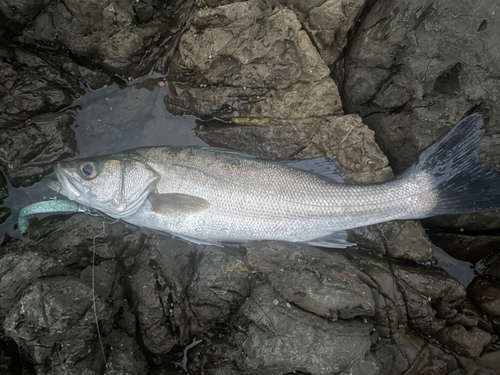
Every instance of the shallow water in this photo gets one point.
(117, 118)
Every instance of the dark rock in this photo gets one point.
(411, 76)
(469, 248)
(398, 239)
(468, 342)
(50, 138)
(492, 264)
(36, 88)
(282, 337)
(4, 193)
(324, 283)
(158, 282)
(104, 33)
(22, 11)
(57, 331)
(427, 300)
(4, 214)
(259, 66)
(328, 23)
(125, 357)
(219, 286)
(486, 294)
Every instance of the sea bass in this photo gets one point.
(213, 196)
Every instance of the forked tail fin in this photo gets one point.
(461, 181)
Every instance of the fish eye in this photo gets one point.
(89, 169)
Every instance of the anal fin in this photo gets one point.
(336, 240)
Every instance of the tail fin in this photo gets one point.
(462, 182)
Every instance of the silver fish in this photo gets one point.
(212, 196)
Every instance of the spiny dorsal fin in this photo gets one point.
(177, 204)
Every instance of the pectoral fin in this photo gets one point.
(177, 204)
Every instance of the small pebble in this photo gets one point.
(161, 83)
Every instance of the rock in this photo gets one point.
(428, 301)
(37, 88)
(282, 337)
(326, 284)
(126, 357)
(411, 77)
(492, 264)
(58, 332)
(219, 286)
(398, 239)
(158, 280)
(469, 342)
(4, 193)
(50, 138)
(469, 248)
(106, 34)
(328, 23)
(22, 11)
(486, 294)
(4, 214)
(260, 65)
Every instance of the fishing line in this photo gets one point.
(94, 305)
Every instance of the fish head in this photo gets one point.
(117, 186)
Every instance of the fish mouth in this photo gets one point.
(66, 184)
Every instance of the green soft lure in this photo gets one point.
(55, 206)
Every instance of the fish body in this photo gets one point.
(213, 196)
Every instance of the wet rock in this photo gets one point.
(260, 65)
(426, 300)
(398, 239)
(4, 193)
(37, 87)
(492, 264)
(324, 283)
(158, 281)
(282, 337)
(4, 214)
(220, 284)
(469, 248)
(486, 294)
(468, 342)
(50, 138)
(125, 357)
(105, 34)
(328, 23)
(57, 331)
(410, 76)
(22, 11)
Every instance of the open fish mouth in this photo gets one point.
(65, 184)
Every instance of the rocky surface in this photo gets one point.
(409, 70)
(239, 61)
(260, 309)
